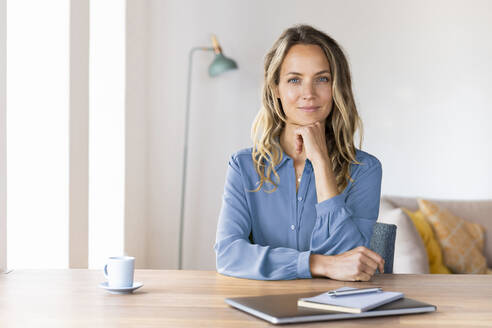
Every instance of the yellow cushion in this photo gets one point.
(461, 241)
(431, 245)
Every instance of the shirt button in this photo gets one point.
(299, 198)
(292, 227)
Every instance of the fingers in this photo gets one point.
(353, 265)
(381, 267)
(365, 269)
(358, 264)
(375, 258)
(303, 134)
(368, 265)
(311, 139)
(363, 276)
(299, 143)
(307, 125)
(310, 128)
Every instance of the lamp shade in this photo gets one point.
(220, 65)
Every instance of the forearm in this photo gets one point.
(326, 185)
(346, 220)
(336, 229)
(239, 258)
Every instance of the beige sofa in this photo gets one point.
(408, 251)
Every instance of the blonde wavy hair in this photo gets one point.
(341, 124)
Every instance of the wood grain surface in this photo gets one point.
(171, 298)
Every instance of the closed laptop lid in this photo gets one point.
(283, 308)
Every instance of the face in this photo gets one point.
(305, 85)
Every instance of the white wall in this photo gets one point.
(78, 238)
(3, 135)
(135, 234)
(422, 80)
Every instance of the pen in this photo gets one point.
(354, 291)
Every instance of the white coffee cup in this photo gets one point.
(119, 271)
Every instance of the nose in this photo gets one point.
(307, 91)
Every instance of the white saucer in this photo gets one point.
(121, 290)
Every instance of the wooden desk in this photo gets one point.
(71, 298)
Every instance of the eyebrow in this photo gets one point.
(321, 72)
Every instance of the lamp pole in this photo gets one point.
(185, 150)
(219, 65)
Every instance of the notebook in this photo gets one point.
(349, 303)
(281, 309)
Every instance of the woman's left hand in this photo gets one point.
(312, 138)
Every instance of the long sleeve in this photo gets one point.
(346, 221)
(235, 255)
(289, 226)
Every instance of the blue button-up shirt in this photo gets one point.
(287, 226)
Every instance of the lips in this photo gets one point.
(309, 108)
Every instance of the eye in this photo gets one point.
(293, 80)
(324, 79)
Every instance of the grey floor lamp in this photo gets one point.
(219, 65)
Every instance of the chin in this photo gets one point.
(309, 120)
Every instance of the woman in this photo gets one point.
(303, 201)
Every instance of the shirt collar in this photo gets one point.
(286, 158)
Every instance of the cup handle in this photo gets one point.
(106, 271)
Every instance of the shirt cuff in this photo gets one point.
(331, 204)
(303, 270)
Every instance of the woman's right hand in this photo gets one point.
(358, 264)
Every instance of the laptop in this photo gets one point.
(280, 309)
